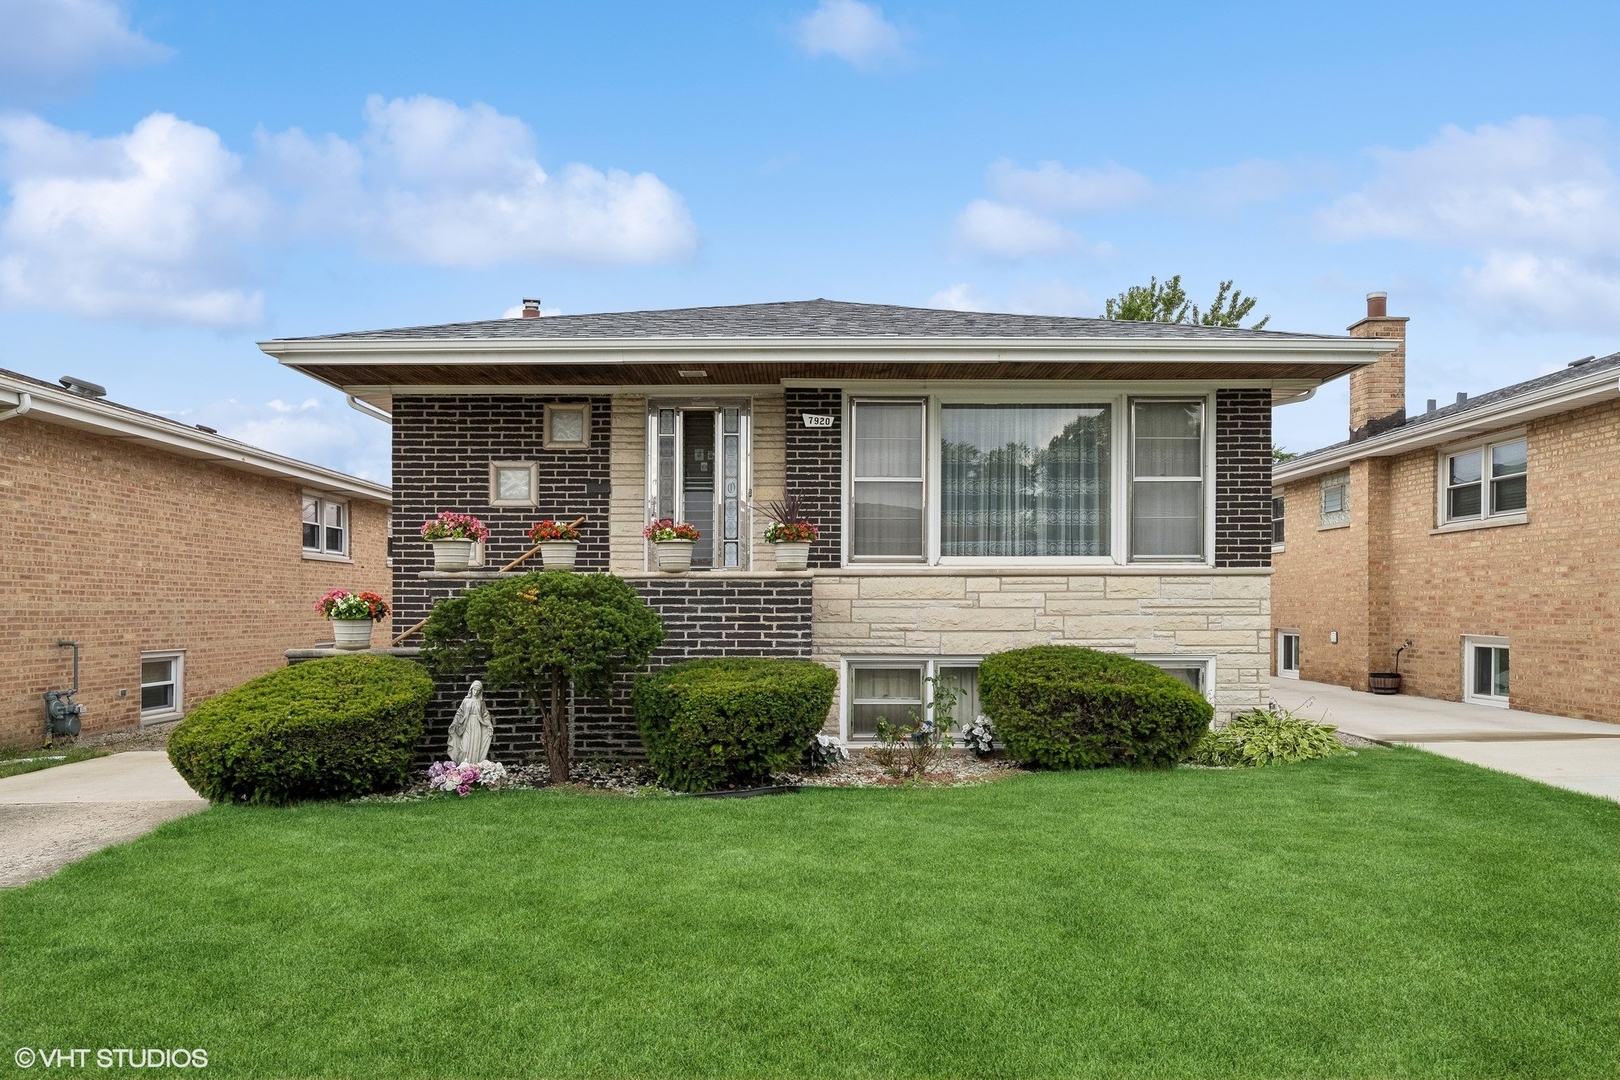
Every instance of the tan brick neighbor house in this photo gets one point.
(1487, 533)
(182, 562)
(981, 482)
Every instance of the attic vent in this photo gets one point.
(205, 428)
(83, 387)
(1582, 362)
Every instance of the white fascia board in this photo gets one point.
(1418, 435)
(618, 352)
(104, 418)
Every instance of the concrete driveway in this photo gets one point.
(56, 816)
(1582, 755)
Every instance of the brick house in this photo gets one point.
(980, 481)
(1484, 532)
(182, 562)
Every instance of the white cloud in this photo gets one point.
(1012, 232)
(1534, 204)
(150, 224)
(959, 297)
(50, 46)
(433, 182)
(854, 32)
(1053, 189)
(1054, 298)
(337, 437)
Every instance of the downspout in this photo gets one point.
(365, 407)
(24, 403)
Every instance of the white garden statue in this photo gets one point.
(472, 729)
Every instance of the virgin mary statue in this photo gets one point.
(472, 729)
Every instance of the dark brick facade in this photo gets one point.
(1243, 477)
(442, 449)
(814, 473)
(703, 616)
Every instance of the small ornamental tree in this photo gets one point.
(543, 634)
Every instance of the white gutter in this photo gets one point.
(119, 422)
(368, 409)
(24, 403)
(1418, 433)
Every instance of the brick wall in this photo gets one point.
(704, 615)
(443, 446)
(151, 551)
(813, 471)
(1549, 586)
(1243, 477)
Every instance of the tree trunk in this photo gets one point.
(554, 732)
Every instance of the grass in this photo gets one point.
(1393, 914)
(14, 760)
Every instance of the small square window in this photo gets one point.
(325, 526)
(513, 483)
(162, 695)
(1485, 671)
(568, 427)
(1335, 500)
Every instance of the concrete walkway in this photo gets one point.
(56, 816)
(1582, 755)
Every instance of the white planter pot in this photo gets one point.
(792, 554)
(559, 554)
(674, 556)
(352, 633)
(451, 555)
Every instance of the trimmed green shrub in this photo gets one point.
(1064, 707)
(1261, 737)
(324, 729)
(710, 724)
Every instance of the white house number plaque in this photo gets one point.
(812, 420)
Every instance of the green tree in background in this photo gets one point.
(1167, 303)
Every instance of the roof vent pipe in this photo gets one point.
(1432, 404)
(1462, 396)
(531, 308)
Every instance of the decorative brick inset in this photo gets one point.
(813, 470)
(1243, 477)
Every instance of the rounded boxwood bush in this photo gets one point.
(709, 724)
(324, 729)
(1064, 707)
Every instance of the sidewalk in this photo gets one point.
(56, 816)
(1581, 755)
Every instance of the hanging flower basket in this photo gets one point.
(453, 537)
(559, 544)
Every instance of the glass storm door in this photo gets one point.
(699, 460)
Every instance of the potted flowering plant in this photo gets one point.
(790, 534)
(453, 536)
(352, 615)
(559, 544)
(672, 541)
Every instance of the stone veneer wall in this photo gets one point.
(813, 470)
(1243, 477)
(893, 614)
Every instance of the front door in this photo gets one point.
(699, 464)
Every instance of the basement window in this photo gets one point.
(162, 695)
(1485, 671)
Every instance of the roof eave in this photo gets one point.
(1419, 435)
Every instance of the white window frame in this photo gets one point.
(1117, 397)
(1169, 660)
(1287, 632)
(1333, 519)
(1485, 518)
(496, 467)
(178, 680)
(927, 483)
(1279, 521)
(745, 475)
(322, 553)
(1470, 642)
(1206, 415)
(582, 407)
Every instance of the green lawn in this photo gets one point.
(1388, 915)
(15, 760)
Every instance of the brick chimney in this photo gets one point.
(1378, 391)
(531, 308)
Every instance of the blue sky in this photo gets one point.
(180, 180)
